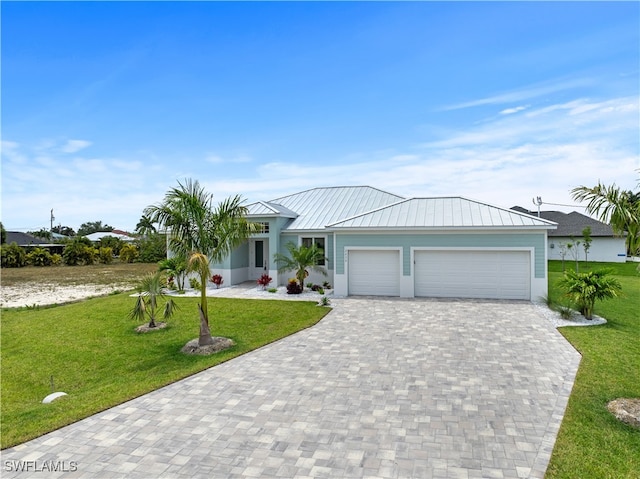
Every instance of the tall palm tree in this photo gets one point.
(145, 226)
(300, 259)
(614, 206)
(202, 233)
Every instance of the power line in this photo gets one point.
(560, 204)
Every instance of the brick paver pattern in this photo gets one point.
(383, 388)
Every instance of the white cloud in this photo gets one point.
(73, 146)
(510, 111)
(525, 93)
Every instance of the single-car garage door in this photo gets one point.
(374, 272)
(472, 274)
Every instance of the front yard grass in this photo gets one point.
(591, 442)
(95, 356)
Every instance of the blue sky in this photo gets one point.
(106, 105)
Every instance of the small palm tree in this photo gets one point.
(300, 259)
(585, 288)
(176, 267)
(150, 292)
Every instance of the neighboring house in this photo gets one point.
(605, 245)
(101, 234)
(26, 240)
(378, 243)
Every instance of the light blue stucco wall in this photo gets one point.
(448, 240)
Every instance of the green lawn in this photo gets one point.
(591, 442)
(95, 356)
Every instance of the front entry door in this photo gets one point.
(258, 258)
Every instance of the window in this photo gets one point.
(319, 242)
(264, 226)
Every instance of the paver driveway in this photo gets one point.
(380, 388)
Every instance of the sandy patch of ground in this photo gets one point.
(41, 294)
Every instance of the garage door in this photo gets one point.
(374, 272)
(473, 274)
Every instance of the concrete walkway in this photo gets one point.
(383, 388)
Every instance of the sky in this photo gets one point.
(108, 105)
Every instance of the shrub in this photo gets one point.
(111, 242)
(128, 253)
(13, 256)
(273, 290)
(152, 248)
(194, 283)
(106, 255)
(585, 288)
(326, 285)
(324, 301)
(264, 281)
(217, 280)
(90, 255)
(565, 312)
(293, 287)
(56, 259)
(39, 257)
(79, 251)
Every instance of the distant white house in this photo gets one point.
(605, 245)
(101, 234)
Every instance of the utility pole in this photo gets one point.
(52, 219)
(538, 201)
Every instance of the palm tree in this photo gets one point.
(176, 267)
(585, 288)
(150, 291)
(614, 206)
(145, 226)
(300, 258)
(202, 233)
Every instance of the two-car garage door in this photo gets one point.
(472, 274)
(491, 274)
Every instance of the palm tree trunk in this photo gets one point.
(205, 334)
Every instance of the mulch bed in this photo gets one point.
(626, 410)
(219, 344)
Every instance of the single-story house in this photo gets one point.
(379, 243)
(605, 245)
(94, 237)
(28, 241)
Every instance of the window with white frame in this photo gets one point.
(263, 226)
(319, 242)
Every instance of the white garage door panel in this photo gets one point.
(374, 272)
(472, 274)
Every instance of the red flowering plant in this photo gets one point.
(264, 281)
(217, 280)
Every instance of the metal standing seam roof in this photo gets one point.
(445, 212)
(318, 207)
(265, 208)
